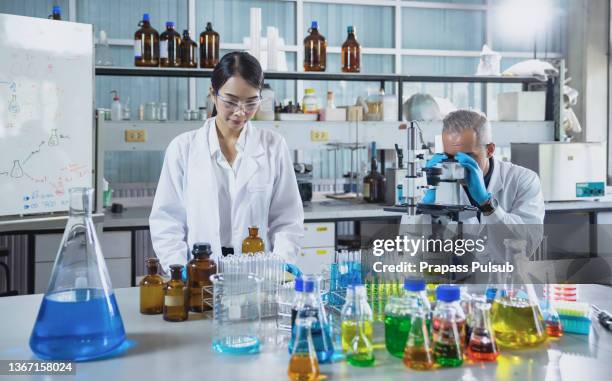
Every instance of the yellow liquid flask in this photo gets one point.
(517, 318)
(79, 318)
(253, 243)
(356, 327)
(303, 364)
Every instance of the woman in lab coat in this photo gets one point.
(227, 175)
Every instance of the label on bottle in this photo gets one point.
(137, 48)
(173, 301)
(366, 190)
(163, 49)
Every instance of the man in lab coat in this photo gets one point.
(509, 197)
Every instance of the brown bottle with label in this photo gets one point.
(152, 289)
(170, 47)
(315, 50)
(252, 243)
(351, 53)
(176, 296)
(199, 270)
(209, 47)
(146, 44)
(188, 51)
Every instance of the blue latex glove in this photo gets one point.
(430, 195)
(184, 273)
(474, 178)
(293, 269)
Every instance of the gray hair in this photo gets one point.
(461, 120)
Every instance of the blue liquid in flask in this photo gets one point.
(78, 324)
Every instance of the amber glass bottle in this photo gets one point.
(315, 49)
(374, 185)
(152, 289)
(146, 44)
(175, 296)
(188, 51)
(170, 47)
(351, 53)
(209, 47)
(199, 270)
(252, 243)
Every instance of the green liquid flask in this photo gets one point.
(449, 326)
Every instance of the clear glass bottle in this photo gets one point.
(146, 44)
(176, 301)
(516, 315)
(398, 315)
(199, 270)
(315, 49)
(79, 317)
(448, 327)
(357, 328)
(351, 53)
(170, 47)
(152, 289)
(253, 243)
(209, 47)
(311, 305)
(188, 51)
(303, 364)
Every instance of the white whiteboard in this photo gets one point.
(46, 113)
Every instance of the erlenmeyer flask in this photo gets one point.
(79, 318)
(516, 315)
(552, 321)
(481, 345)
(303, 365)
(418, 354)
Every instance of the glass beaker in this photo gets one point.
(516, 314)
(79, 318)
(236, 313)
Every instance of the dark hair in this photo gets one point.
(236, 63)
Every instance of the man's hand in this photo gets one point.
(474, 178)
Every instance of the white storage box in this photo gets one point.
(523, 106)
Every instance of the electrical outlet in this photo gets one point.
(135, 136)
(319, 136)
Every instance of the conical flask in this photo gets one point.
(418, 354)
(554, 328)
(303, 365)
(481, 345)
(516, 314)
(79, 318)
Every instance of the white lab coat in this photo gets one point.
(186, 211)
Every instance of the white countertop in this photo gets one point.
(182, 351)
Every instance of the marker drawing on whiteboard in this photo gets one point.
(17, 171)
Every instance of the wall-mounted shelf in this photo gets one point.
(312, 76)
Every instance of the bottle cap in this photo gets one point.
(57, 9)
(201, 249)
(309, 91)
(169, 24)
(314, 25)
(174, 268)
(185, 32)
(209, 26)
(309, 285)
(414, 284)
(350, 29)
(145, 17)
(448, 293)
(299, 284)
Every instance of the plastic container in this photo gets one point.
(266, 108)
(236, 313)
(310, 103)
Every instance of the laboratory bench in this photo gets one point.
(159, 350)
(329, 225)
